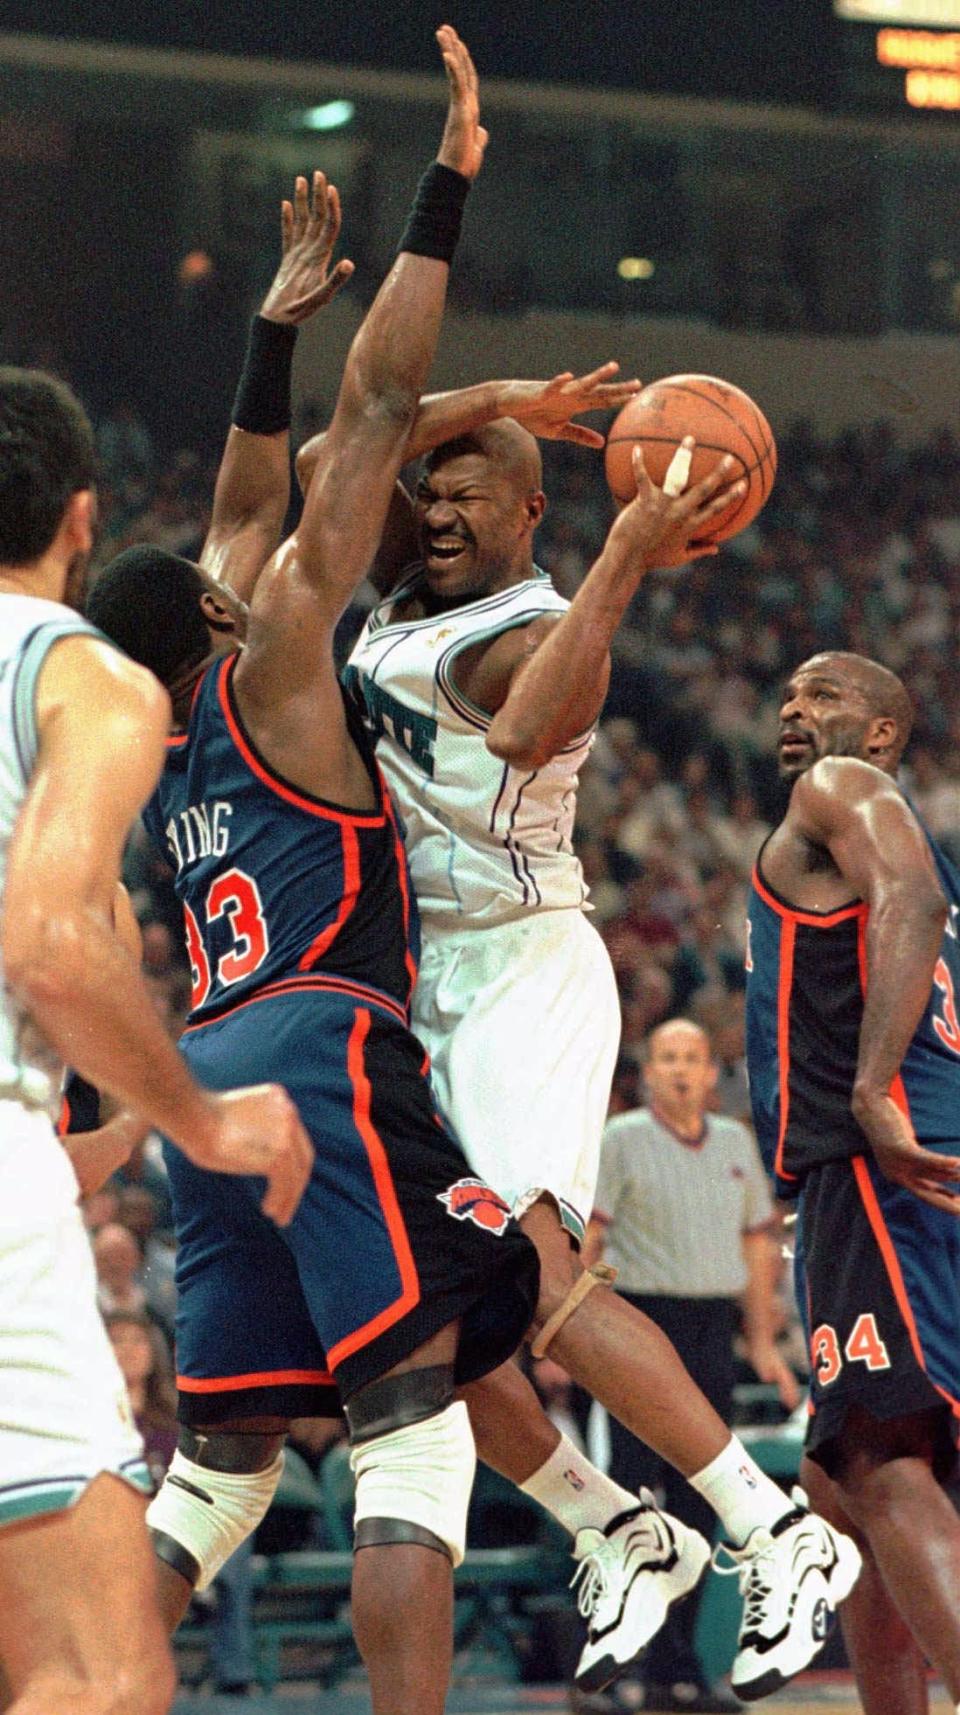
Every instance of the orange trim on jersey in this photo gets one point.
(312, 806)
(173, 741)
(308, 985)
(350, 851)
(63, 1118)
(408, 958)
(816, 919)
(386, 1192)
(788, 938)
(257, 1378)
(892, 1264)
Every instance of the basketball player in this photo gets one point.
(853, 1048)
(401, 1274)
(81, 742)
(483, 686)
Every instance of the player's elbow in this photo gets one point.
(518, 749)
(45, 954)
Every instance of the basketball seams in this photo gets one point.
(757, 460)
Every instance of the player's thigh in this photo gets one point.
(78, 1588)
(522, 1024)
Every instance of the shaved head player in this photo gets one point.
(853, 1045)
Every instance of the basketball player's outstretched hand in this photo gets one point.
(464, 138)
(547, 408)
(309, 229)
(259, 1131)
(934, 1178)
(660, 526)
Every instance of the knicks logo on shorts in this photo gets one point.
(472, 1200)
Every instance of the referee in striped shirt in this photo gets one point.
(683, 1211)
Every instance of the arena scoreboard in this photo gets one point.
(901, 54)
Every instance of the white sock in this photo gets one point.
(574, 1492)
(740, 1494)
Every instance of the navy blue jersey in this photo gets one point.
(274, 882)
(806, 981)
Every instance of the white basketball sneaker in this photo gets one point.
(792, 1579)
(629, 1575)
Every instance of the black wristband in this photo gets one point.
(262, 403)
(433, 226)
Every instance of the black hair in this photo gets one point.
(148, 602)
(47, 454)
(458, 448)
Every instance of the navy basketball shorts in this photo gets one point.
(393, 1240)
(878, 1284)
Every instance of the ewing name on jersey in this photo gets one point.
(806, 979)
(487, 842)
(277, 886)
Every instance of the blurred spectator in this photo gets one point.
(144, 1359)
(138, 1213)
(684, 1213)
(126, 450)
(116, 1256)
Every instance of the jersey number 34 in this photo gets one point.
(236, 896)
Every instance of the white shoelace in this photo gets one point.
(755, 1580)
(593, 1574)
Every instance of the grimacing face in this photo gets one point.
(824, 712)
(471, 520)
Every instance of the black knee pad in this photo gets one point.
(394, 1402)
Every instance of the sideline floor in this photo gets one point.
(813, 1694)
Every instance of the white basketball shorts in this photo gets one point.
(522, 1024)
(64, 1412)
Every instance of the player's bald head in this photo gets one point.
(885, 695)
(510, 448)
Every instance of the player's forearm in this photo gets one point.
(903, 939)
(84, 994)
(443, 416)
(96, 1155)
(559, 692)
(390, 358)
(253, 487)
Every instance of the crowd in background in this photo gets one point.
(859, 547)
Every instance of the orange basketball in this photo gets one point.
(721, 418)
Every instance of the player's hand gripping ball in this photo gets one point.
(720, 417)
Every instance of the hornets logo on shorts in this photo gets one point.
(472, 1200)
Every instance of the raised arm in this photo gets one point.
(878, 846)
(253, 484)
(101, 728)
(309, 583)
(547, 682)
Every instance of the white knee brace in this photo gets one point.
(422, 1474)
(209, 1513)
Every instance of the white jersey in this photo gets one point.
(486, 842)
(29, 625)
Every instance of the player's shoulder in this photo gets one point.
(841, 776)
(836, 787)
(87, 674)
